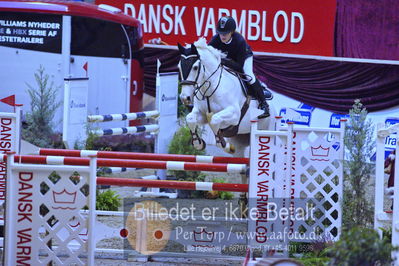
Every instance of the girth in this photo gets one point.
(232, 131)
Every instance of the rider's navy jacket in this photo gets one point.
(238, 49)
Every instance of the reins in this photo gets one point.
(202, 94)
(198, 88)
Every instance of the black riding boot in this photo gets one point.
(257, 91)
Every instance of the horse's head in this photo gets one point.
(189, 70)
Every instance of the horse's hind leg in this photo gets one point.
(229, 116)
(221, 143)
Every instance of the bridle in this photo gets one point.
(187, 62)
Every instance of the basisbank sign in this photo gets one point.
(298, 116)
(288, 26)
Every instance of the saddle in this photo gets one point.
(237, 70)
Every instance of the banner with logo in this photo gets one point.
(75, 111)
(39, 32)
(289, 26)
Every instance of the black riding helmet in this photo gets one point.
(226, 25)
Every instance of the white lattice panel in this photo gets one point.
(318, 177)
(44, 220)
(313, 194)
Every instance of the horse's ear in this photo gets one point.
(194, 49)
(181, 48)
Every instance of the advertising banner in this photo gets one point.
(289, 26)
(40, 32)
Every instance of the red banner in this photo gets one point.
(286, 26)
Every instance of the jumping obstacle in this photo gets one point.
(295, 167)
(143, 156)
(122, 117)
(381, 217)
(299, 163)
(167, 165)
(199, 186)
(126, 130)
(76, 116)
(64, 203)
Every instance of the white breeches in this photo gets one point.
(248, 69)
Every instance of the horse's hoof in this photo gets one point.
(199, 144)
(230, 148)
(202, 146)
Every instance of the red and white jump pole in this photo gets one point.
(205, 186)
(168, 165)
(144, 156)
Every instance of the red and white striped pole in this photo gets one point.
(168, 165)
(205, 186)
(143, 156)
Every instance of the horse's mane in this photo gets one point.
(205, 50)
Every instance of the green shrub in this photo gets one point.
(358, 171)
(312, 253)
(361, 246)
(107, 201)
(181, 144)
(43, 102)
(314, 261)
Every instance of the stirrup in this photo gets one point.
(264, 115)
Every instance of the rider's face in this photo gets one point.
(225, 37)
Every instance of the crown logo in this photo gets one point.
(204, 236)
(320, 152)
(64, 197)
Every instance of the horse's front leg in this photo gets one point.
(228, 116)
(194, 119)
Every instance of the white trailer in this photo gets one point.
(72, 40)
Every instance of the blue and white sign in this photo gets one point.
(335, 120)
(306, 106)
(390, 141)
(391, 121)
(298, 116)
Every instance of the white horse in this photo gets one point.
(218, 99)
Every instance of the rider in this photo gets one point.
(233, 43)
